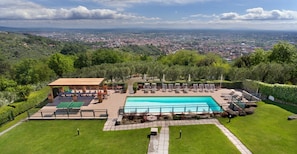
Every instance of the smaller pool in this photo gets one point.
(169, 104)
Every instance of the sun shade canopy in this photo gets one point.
(77, 82)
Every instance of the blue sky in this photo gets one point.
(185, 14)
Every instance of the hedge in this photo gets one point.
(250, 86)
(286, 93)
(20, 107)
(6, 114)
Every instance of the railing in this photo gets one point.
(175, 109)
(69, 114)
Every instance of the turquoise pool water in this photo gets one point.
(163, 104)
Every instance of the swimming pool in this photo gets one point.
(169, 104)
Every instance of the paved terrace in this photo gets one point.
(116, 100)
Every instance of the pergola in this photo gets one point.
(76, 83)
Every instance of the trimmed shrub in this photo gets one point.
(250, 86)
(281, 92)
(6, 114)
(20, 107)
(232, 85)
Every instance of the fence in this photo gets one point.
(69, 114)
(173, 109)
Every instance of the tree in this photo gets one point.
(60, 64)
(23, 91)
(6, 83)
(83, 60)
(173, 73)
(283, 52)
(5, 66)
(244, 61)
(31, 71)
(72, 49)
(239, 74)
(259, 56)
(106, 56)
(182, 57)
(209, 59)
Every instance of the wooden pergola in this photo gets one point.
(76, 83)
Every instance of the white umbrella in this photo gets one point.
(163, 79)
(189, 78)
(221, 81)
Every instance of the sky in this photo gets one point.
(168, 14)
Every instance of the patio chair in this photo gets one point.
(206, 87)
(170, 87)
(164, 87)
(195, 87)
(212, 87)
(201, 87)
(185, 88)
(177, 87)
(228, 94)
(146, 87)
(153, 87)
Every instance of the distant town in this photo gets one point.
(230, 44)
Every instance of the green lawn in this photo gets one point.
(199, 139)
(266, 131)
(60, 136)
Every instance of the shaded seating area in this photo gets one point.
(77, 87)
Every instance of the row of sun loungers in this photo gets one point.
(70, 94)
(177, 87)
(148, 87)
(204, 87)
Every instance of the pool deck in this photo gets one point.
(116, 100)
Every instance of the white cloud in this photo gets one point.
(261, 14)
(120, 4)
(202, 16)
(23, 10)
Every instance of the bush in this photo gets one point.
(20, 107)
(232, 85)
(282, 92)
(5, 114)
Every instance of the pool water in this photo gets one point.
(163, 104)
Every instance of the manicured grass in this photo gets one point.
(266, 131)
(287, 107)
(60, 136)
(11, 123)
(199, 139)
